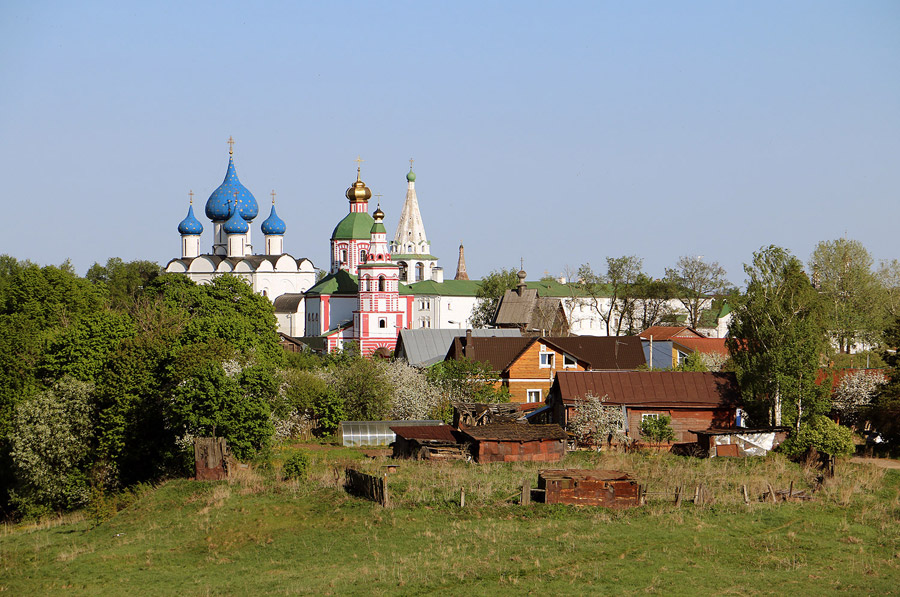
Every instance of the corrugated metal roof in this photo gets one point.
(498, 353)
(516, 432)
(704, 345)
(650, 388)
(425, 347)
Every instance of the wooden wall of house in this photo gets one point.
(683, 419)
(528, 367)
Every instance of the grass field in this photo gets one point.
(257, 535)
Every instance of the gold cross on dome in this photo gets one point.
(379, 195)
(230, 144)
(358, 161)
(191, 194)
(273, 196)
(411, 163)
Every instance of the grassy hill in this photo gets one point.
(256, 534)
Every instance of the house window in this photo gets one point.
(534, 396)
(546, 360)
(646, 416)
(569, 362)
(682, 357)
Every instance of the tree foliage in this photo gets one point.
(777, 340)
(594, 422)
(611, 294)
(852, 296)
(820, 433)
(854, 394)
(657, 430)
(696, 281)
(489, 293)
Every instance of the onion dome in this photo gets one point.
(358, 191)
(411, 176)
(190, 224)
(378, 215)
(236, 224)
(273, 224)
(218, 205)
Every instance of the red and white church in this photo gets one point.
(360, 300)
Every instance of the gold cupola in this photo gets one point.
(358, 192)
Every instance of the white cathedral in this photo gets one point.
(372, 290)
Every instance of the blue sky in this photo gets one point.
(560, 133)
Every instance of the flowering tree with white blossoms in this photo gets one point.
(414, 396)
(855, 392)
(595, 422)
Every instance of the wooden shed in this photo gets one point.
(429, 442)
(585, 487)
(514, 442)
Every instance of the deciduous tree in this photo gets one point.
(697, 281)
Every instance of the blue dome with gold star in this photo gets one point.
(190, 224)
(218, 204)
(273, 224)
(236, 224)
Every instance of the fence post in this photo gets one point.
(746, 497)
(526, 493)
(462, 497)
(679, 490)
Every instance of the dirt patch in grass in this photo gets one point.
(880, 462)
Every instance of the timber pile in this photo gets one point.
(473, 414)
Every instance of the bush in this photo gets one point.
(296, 467)
(820, 433)
(658, 430)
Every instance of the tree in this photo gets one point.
(364, 387)
(884, 412)
(696, 280)
(889, 277)
(489, 293)
(820, 433)
(51, 446)
(595, 422)
(851, 294)
(413, 397)
(124, 282)
(657, 430)
(464, 380)
(650, 305)
(777, 340)
(854, 394)
(610, 295)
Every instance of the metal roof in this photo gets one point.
(650, 388)
(425, 347)
(516, 432)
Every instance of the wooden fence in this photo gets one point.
(367, 486)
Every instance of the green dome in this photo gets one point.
(411, 176)
(354, 226)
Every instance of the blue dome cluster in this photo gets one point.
(190, 224)
(273, 224)
(219, 204)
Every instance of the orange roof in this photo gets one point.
(667, 332)
(704, 345)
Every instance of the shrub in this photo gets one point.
(820, 433)
(296, 467)
(658, 430)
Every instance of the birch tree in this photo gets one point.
(777, 340)
(697, 280)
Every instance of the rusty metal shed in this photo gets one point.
(588, 487)
(513, 442)
(429, 442)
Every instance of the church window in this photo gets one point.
(420, 271)
(343, 255)
(382, 323)
(362, 256)
(382, 284)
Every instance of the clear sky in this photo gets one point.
(560, 133)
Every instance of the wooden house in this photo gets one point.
(527, 366)
(692, 400)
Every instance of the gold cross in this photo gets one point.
(273, 196)
(379, 195)
(191, 193)
(411, 163)
(358, 161)
(230, 144)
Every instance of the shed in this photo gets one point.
(513, 442)
(588, 487)
(429, 442)
(740, 441)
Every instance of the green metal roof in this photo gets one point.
(446, 288)
(340, 283)
(376, 227)
(412, 256)
(354, 226)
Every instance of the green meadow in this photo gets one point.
(258, 534)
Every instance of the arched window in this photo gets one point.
(343, 255)
(362, 256)
(382, 284)
(403, 269)
(382, 323)
(420, 271)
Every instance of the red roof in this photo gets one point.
(838, 374)
(650, 388)
(667, 332)
(516, 432)
(703, 345)
(432, 432)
